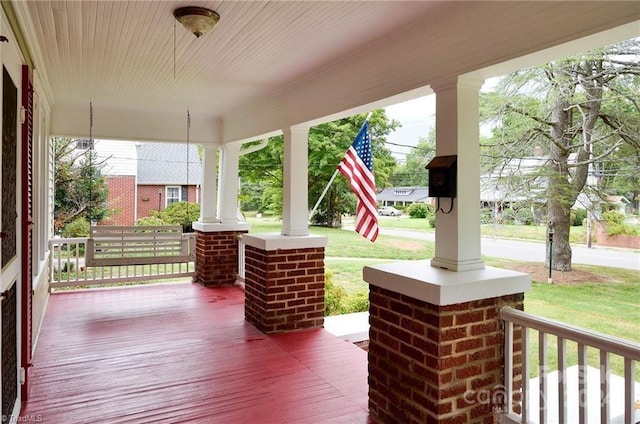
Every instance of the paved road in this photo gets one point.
(535, 251)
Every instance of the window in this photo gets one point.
(173, 195)
(402, 192)
(185, 193)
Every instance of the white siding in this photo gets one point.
(121, 156)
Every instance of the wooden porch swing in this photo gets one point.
(138, 245)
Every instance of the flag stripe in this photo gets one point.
(363, 185)
(357, 167)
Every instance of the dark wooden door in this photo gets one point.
(9, 254)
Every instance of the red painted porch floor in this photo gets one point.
(181, 353)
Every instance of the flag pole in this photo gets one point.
(333, 177)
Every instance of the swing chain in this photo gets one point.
(187, 182)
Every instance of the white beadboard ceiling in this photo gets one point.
(122, 54)
(269, 63)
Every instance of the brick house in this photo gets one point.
(146, 177)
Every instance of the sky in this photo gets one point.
(417, 118)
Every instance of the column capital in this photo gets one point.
(299, 128)
(460, 81)
(232, 147)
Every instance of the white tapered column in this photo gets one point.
(457, 133)
(209, 194)
(229, 169)
(295, 208)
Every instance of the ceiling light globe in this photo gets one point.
(198, 20)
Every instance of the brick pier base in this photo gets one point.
(284, 288)
(217, 257)
(435, 364)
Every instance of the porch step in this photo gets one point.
(352, 327)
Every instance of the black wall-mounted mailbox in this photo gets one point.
(443, 171)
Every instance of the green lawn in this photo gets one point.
(525, 232)
(345, 243)
(611, 307)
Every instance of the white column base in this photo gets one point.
(421, 281)
(452, 265)
(273, 241)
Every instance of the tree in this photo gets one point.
(80, 190)
(581, 110)
(327, 145)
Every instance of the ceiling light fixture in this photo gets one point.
(198, 20)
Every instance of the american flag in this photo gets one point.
(357, 167)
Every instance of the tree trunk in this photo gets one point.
(560, 223)
(334, 218)
(559, 211)
(572, 129)
(559, 198)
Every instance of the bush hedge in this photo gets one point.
(337, 301)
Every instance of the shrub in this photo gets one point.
(338, 302)
(151, 220)
(182, 213)
(613, 217)
(524, 216)
(423, 210)
(578, 216)
(431, 219)
(418, 210)
(508, 216)
(616, 226)
(359, 302)
(333, 296)
(485, 216)
(622, 229)
(76, 228)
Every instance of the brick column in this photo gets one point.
(436, 342)
(217, 257)
(284, 287)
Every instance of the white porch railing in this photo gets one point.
(580, 393)
(67, 267)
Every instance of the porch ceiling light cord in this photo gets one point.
(198, 20)
(187, 183)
